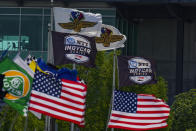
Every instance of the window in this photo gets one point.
(26, 29)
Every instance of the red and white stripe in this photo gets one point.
(69, 107)
(151, 114)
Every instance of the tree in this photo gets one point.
(11, 119)
(183, 112)
(99, 81)
(99, 91)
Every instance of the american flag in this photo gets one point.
(138, 112)
(58, 98)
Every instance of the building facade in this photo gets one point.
(162, 30)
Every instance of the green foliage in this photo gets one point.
(7, 114)
(159, 89)
(10, 117)
(183, 112)
(99, 82)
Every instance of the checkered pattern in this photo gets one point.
(29, 59)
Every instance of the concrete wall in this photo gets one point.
(157, 40)
(190, 56)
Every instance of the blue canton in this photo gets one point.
(125, 102)
(47, 84)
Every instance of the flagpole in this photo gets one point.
(49, 118)
(50, 28)
(72, 124)
(26, 122)
(113, 87)
(13, 122)
(50, 56)
(117, 72)
(3, 54)
(46, 123)
(114, 80)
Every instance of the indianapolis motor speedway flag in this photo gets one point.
(75, 21)
(110, 38)
(135, 70)
(138, 111)
(17, 83)
(73, 48)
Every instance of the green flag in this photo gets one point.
(18, 84)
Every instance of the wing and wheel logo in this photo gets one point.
(77, 22)
(107, 37)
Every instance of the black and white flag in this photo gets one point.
(135, 70)
(73, 48)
